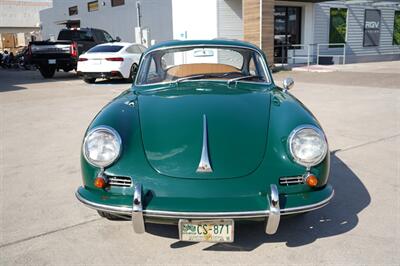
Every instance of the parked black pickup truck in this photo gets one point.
(63, 54)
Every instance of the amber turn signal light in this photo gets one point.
(99, 182)
(312, 180)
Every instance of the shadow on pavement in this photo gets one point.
(338, 217)
(14, 80)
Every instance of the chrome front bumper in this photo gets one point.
(138, 214)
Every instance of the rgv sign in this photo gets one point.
(372, 27)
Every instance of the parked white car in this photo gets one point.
(110, 61)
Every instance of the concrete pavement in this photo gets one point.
(41, 127)
(389, 67)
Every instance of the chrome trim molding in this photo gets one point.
(291, 180)
(307, 208)
(206, 215)
(103, 207)
(119, 181)
(204, 164)
(137, 210)
(202, 215)
(274, 215)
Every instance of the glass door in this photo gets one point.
(287, 31)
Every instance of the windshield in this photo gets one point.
(75, 35)
(105, 49)
(216, 63)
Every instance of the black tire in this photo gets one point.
(133, 71)
(47, 72)
(109, 216)
(90, 80)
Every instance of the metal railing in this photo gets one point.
(285, 48)
(294, 57)
(308, 53)
(342, 55)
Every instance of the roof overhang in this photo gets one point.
(306, 1)
(376, 3)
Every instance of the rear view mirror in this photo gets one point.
(118, 39)
(203, 53)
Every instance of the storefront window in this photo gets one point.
(338, 25)
(73, 10)
(117, 2)
(396, 28)
(93, 6)
(287, 31)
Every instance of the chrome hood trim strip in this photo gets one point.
(204, 165)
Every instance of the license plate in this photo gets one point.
(206, 231)
(96, 62)
(52, 61)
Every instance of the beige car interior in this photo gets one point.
(197, 69)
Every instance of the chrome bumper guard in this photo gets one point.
(272, 215)
(137, 210)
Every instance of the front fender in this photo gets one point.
(122, 115)
(286, 114)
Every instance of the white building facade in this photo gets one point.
(19, 21)
(117, 17)
(299, 31)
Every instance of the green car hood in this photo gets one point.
(171, 121)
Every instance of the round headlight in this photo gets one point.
(308, 145)
(102, 146)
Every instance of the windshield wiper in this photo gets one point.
(245, 77)
(202, 76)
(190, 77)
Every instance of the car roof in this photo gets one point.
(217, 42)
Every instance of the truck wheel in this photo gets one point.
(47, 72)
(89, 80)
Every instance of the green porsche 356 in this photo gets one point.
(203, 139)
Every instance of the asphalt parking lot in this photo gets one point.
(41, 127)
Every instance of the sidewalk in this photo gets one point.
(388, 67)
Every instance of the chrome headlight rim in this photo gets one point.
(107, 129)
(320, 133)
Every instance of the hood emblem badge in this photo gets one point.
(204, 165)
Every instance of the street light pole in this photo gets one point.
(138, 14)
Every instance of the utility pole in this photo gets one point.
(138, 14)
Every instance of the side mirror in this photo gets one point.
(288, 83)
(118, 39)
